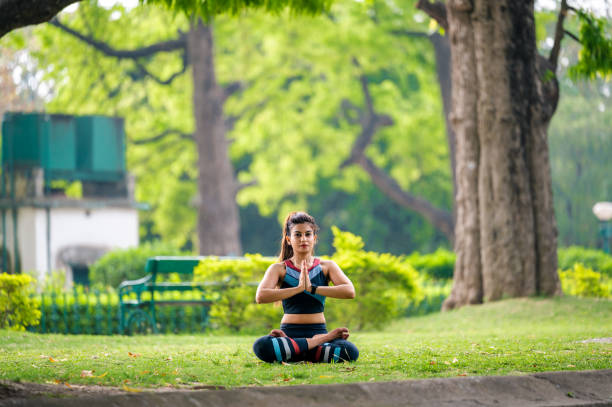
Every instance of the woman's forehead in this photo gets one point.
(302, 227)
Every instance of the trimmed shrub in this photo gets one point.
(596, 260)
(128, 264)
(17, 308)
(438, 265)
(384, 284)
(234, 283)
(581, 281)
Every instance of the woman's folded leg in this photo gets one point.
(338, 350)
(280, 349)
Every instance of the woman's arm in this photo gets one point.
(268, 290)
(342, 288)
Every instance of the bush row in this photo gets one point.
(129, 264)
(388, 287)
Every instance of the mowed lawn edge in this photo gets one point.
(509, 337)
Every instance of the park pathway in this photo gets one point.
(586, 388)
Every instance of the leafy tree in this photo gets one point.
(322, 91)
(19, 13)
(502, 105)
(156, 113)
(424, 158)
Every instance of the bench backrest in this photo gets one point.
(177, 264)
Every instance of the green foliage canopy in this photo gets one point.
(209, 8)
(295, 117)
(595, 57)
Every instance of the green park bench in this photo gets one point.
(137, 315)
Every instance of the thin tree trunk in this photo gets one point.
(218, 221)
(443, 72)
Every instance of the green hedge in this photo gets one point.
(438, 265)
(596, 260)
(17, 308)
(581, 281)
(128, 264)
(385, 285)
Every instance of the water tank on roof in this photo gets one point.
(86, 148)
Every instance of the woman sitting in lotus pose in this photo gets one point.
(301, 281)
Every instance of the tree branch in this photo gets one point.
(19, 13)
(166, 46)
(179, 43)
(242, 185)
(230, 122)
(559, 33)
(407, 33)
(572, 36)
(436, 10)
(347, 109)
(164, 134)
(441, 219)
(370, 121)
(232, 88)
(365, 88)
(172, 77)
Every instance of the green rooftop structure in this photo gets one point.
(84, 148)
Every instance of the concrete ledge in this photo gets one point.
(586, 388)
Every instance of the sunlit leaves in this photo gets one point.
(301, 72)
(209, 8)
(595, 57)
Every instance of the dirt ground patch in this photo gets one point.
(31, 390)
(561, 389)
(25, 390)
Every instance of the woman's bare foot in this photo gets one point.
(342, 333)
(277, 333)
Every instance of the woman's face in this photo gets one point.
(302, 238)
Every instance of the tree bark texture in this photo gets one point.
(218, 220)
(443, 72)
(19, 13)
(505, 231)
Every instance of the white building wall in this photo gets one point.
(112, 227)
(106, 227)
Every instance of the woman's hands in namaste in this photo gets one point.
(304, 277)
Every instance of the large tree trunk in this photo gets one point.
(505, 229)
(218, 221)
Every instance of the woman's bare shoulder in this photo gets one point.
(277, 267)
(328, 263)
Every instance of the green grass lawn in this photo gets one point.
(508, 337)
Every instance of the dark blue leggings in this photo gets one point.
(294, 347)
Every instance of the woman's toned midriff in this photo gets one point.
(317, 318)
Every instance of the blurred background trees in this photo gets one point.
(296, 114)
